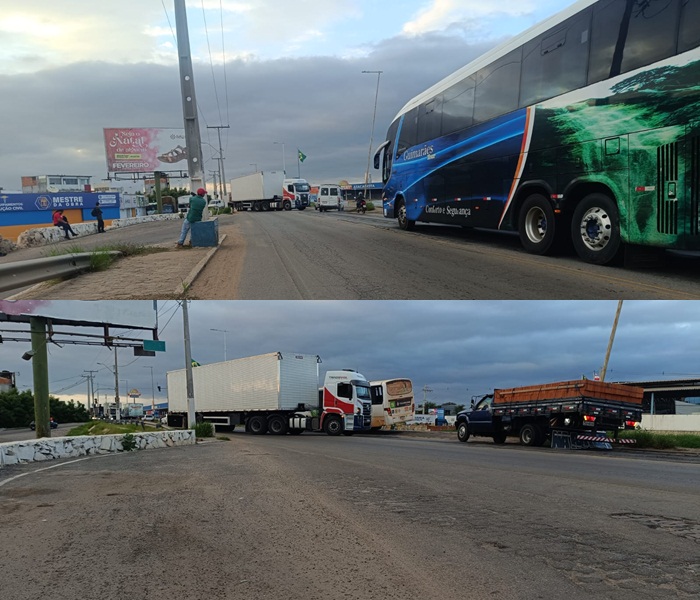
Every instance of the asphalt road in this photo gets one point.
(361, 517)
(312, 255)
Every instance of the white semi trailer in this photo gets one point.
(277, 393)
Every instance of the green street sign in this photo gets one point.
(154, 345)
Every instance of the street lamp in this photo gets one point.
(284, 164)
(153, 391)
(371, 135)
(224, 331)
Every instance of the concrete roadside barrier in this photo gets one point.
(43, 449)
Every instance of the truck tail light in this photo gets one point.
(588, 418)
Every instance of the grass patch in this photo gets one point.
(223, 438)
(103, 428)
(204, 430)
(662, 441)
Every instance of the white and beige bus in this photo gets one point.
(392, 402)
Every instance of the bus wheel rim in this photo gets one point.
(596, 226)
(535, 224)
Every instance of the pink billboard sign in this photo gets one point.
(134, 150)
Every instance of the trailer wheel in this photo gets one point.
(500, 437)
(257, 425)
(463, 431)
(277, 425)
(265, 206)
(333, 425)
(529, 435)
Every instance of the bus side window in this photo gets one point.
(429, 120)
(458, 106)
(407, 138)
(497, 87)
(557, 61)
(628, 34)
(689, 35)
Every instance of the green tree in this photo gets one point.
(17, 409)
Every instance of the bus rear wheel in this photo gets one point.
(536, 225)
(595, 229)
(404, 222)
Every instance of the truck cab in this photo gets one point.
(478, 420)
(345, 403)
(295, 193)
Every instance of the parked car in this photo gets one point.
(53, 424)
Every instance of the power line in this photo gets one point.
(211, 61)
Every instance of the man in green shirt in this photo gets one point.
(197, 205)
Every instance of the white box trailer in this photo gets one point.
(276, 392)
(260, 191)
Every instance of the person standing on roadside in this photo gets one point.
(197, 205)
(97, 213)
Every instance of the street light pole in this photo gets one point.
(284, 165)
(153, 391)
(371, 135)
(224, 331)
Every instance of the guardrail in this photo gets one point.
(27, 272)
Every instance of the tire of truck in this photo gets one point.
(333, 425)
(256, 207)
(257, 425)
(277, 425)
(287, 205)
(265, 206)
(500, 437)
(530, 435)
(463, 431)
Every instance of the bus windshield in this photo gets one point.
(570, 134)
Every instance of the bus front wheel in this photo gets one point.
(595, 229)
(536, 225)
(404, 222)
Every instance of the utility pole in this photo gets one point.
(610, 342)
(91, 391)
(188, 367)
(117, 412)
(40, 371)
(214, 175)
(193, 140)
(222, 177)
(426, 390)
(371, 135)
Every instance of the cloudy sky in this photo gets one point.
(272, 70)
(456, 348)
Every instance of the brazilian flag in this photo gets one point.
(302, 156)
(195, 363)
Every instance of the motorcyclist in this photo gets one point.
(360, 202)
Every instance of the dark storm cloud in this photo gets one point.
(457, 349)
(54, 118)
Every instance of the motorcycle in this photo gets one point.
(361, 206)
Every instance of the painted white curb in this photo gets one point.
(12, 453)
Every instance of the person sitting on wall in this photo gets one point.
(59, 220)
(194, 214)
